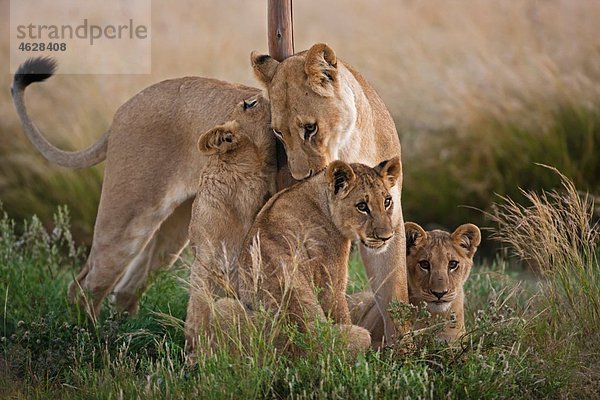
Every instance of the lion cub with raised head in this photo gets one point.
(236, 181)
(438, 264)
(296, 254)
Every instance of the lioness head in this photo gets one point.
(439, 263)
(360, 202)
(245, 139)
(311, 110)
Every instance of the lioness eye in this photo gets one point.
(278, 134)
(424, 264)
(250, 103)
(452, 265)
(363, 207)
(309, 130)
(388, 202)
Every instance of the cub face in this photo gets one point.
(312, 113)
(439, 263)
(360, 202)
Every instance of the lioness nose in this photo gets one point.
(302, 177)
(439, 295)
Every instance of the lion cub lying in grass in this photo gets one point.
(438, 264)
(295, 258)
(236, 181)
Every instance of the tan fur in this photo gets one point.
(296, 253)
(236, 180)
(437, 247)
(150, 181)
(430, 257)
(323, 110)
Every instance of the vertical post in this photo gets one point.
(280, 29)
(280, 32)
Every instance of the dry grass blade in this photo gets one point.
(558, 238)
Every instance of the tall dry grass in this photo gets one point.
(556, 234)
(444, 69)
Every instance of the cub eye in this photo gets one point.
(363, 207)
(388, 202)
(452, 265)
(309, 130)
(278, 134)
(424, 264)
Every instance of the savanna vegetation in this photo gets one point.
(527, 336)
(482, 94)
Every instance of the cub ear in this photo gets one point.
(390, 170)
(415, 236)
(341, 178)
(264, 67)
(468, 237)
(220, 139)
(321, 68)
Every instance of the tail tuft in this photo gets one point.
(36, 69)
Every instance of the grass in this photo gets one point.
(479, 92)
(495, 157)
(527, 337)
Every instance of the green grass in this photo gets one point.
(456, 174)
(49, 350)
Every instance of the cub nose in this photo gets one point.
(383, 234)
(384, 238)
(439, 295)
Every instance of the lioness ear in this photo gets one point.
(341, 178)
(390, 170)
(321, 68)
(415, 236)
(264, 66)
(468, 237)
(220, 139)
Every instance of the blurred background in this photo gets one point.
(481, 91)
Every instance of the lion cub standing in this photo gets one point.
(438, 265)
(296, 254)
(237, 179)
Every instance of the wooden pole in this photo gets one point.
(280, 29)
(280, 33)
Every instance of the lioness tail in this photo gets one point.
(37, 70)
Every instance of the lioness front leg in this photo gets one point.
(387, 271)
(164, 249)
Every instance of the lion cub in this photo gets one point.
(438, 264)
(295, 258)
(236, 180)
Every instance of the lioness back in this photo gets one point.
(438, 265)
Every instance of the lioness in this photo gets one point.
(323, 110)
(150, 178)
(234, 183)
(438, 265)
(296, 254)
